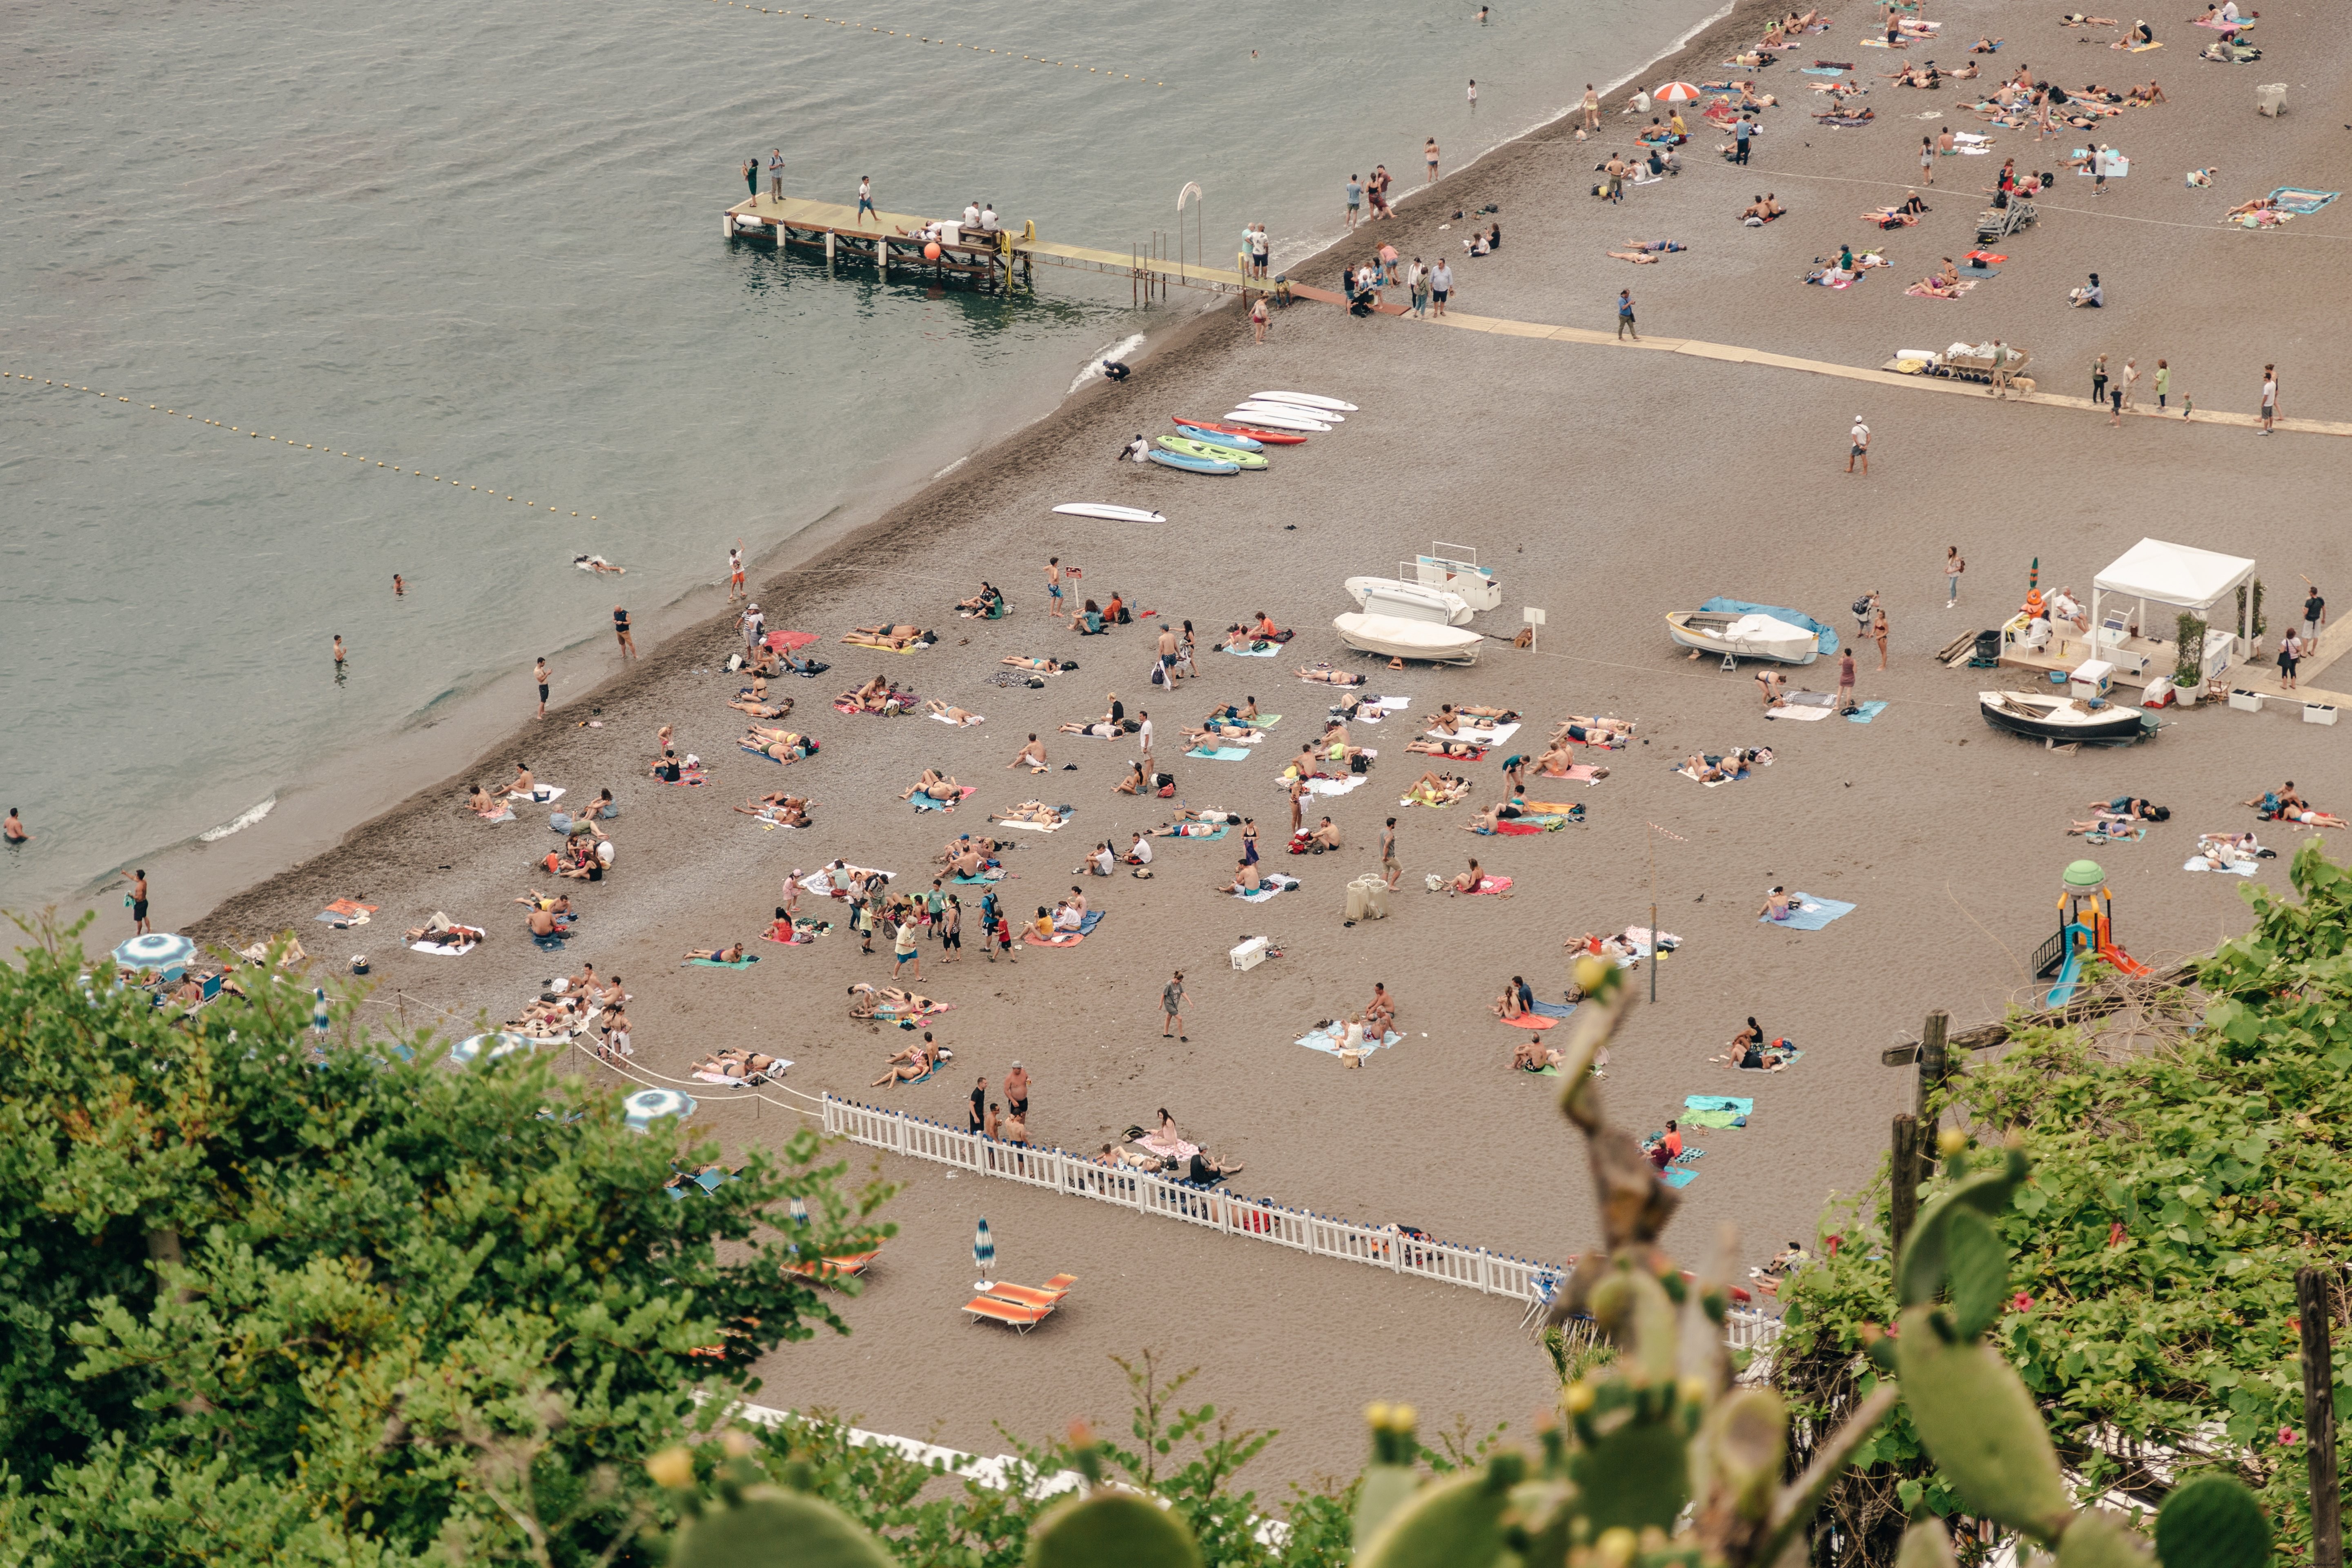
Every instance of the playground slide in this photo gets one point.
(2123, 961)
(2070, 976)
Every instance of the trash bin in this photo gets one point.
(2271, 98)
(1368, 898)
(1988, 648)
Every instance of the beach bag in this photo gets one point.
(1158, 674)
(1360, 764)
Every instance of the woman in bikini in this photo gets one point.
(1323, 676)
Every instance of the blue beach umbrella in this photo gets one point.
(983, 1254)
(156, 949)
(645, 1107)
(800, 1211)
(319, 1009)
(485, 1048)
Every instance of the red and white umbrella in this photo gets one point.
(1675, 92)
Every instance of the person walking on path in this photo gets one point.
(1171, 1008)
(621, 633)
(1860, 452)
(1257, 320)
(735, 572)
(139, 902)
(776, 173)
(751, 172)
(2270, 397)
(1926, 160)
(1953, 568)
(2290, 654)
(1390, 872)
(1429, 158)
(2098, 381)
(1878, 633)
(2000, 388)
(2315, 612)
(1591, 108)
(2115, 403)
(866, 200)
(904, 948)
(1355, 201)
(2163, 383)
(1440, 285)
(1626, 316)
(2130, 382)
(755, 627)
(539, 673)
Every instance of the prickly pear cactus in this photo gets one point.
(1111, 1527)
(770, 1528)
(2212, 1521)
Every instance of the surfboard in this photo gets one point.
(1208, 438)
(1252, 421)
(1183, 447)
(1194, 465)
(1292, 411)
(1265, 437)
(1303, 399)
(1108, 512)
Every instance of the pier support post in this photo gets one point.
(882, 255)
(727, 225)
(828, 247)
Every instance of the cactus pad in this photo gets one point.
(2213, 1522)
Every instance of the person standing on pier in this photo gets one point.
(751, 172)
(776, 173)
(866, 200)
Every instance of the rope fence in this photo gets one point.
(1385, 1246)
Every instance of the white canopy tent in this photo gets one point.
(2175, 575)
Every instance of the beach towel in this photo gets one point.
(1823, 70)
(1736, 778)
(1580, 772)
(1477, 736)
(1531, 1021)
(437, 952)
(769, 822)
(1264, 721)
(1869, 711)
(1737, 1104)
(1059, 938)
(1554, 1009)
(963, 880)
(2235, 869)
(857, 641)
(1040, 826)
(1807, 913)
(1326, 1040)
(505, 813)
(1220, 753)
(1529, 826)
(821, 881)
(1332, 787)
(544, 794)
(1275, 882)
(1678, 1176)
(797, 939)
(1223, 829)
(2128, 835)
(1718, 1121)
(925, 802)
(1550, 807)
(1921, 290)
(1800, 713)
(347, 913)
(2295, 199)
(1257, 651)
(747, 960)
(1491, 885)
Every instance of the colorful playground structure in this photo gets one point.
(2085, 932)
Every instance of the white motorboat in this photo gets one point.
(1750, 636)
(2054, 717)
(1399, 638)
(1407, 600)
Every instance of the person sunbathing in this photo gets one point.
(2076, 19)
(2220, 851)
(1030, 811)
(1101, 729)
(886, 999)
(759, 710)
(1986, 46)
(791, 810)
(909, 1065)
(953, 715)
(1245, 880)
(1324, 834)
(440, 932)
(2151, 93)
(1758, 212)
(716, 955)
(1531, 1055)
(1468, 881)
(988, 600)
(1638, 259)
(1437, 789)
(482, 803)
(1327, 677)
(1219, 732)
(1030, 756)
(2259, 205)
(1458, 749)
(783, 745)
(1340, 755)
(1137, 782)
(934, 785)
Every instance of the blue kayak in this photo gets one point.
(1192, 465)
(1219, 438)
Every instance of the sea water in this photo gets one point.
(441, 241)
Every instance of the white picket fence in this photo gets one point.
(1262, 1219)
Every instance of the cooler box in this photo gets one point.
(1250, 954)
(2090, 678)
(1368, 898)
(2271, 98)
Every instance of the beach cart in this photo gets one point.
(1995, 223)
(1972, 366)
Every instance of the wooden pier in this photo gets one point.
(986, 259)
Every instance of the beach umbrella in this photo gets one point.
(1675, 92)
(648, 1106)
(800, 1211)
(472, 1048)
(319, 1009)
(983, 1253)
(156, 949)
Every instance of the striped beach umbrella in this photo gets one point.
(483, 1048)
(983, 1254)
(647, 1106)
(1675, 92)
(156, 949)
(800, 1211)
(319, 1009)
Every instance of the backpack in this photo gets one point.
(1862, 608)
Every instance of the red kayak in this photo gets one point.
(1271, 437)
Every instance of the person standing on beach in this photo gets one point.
(1429, 158)
(1845, 681)
(1257, 320)
(735, 572)
(621, 633)
(1741, 134)
(1441, 284)
(866, 200)
(1355, 201)
(902, 947)
(2000, 388)
(751, 172)
(1926, 160)
(2098, 381)
(1626, 316)
(1860, 436)
(1591, 108)
(776, 173)
(755, 627)
(2315, 612)
(2163, 383)
(1953, 568)
(2270, 397)
(539, 673)
(139, 902)
(979, 1106)
(1390, 872)
(1878, 633)
(1054, 584)
(1171, 1008)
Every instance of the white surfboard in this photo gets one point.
(1109, 512)
(1303, 399)
(1297, 411)
(1266, 421)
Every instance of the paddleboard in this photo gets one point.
(1255, 407)
(1109, 513)
(1194, 465)
(1303, 399)
(1218, 437)
(1266, 438)
(1251, 422)
(1189, 449)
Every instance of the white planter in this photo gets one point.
(2318, 713)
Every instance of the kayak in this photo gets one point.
(1183, 447)
(1264, 437)
(1194, 465)
(1253, 422)
(1259, 406)
(1109, 512)
(1303, 399)
(1218, 439)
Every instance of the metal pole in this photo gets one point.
(1903, 1177)
(2313, 1309)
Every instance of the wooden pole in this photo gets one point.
(1903, 1178)
(1931, 1058)
(2313, 1309)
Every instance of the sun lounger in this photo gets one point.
(831, 1267)
(1020, 1318)
(1023, 1296)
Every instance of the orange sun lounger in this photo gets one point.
(825, 1268)
(1021, 1318)
(1048, 1297)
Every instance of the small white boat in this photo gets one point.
(1323, 415)
(1303, 399)
(1267, 418)
(1398, 638)
(1454, 568)
(2054, 716)
(1109, 512)
(1408, 599)
(1743, 636)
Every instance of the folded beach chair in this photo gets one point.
(1023, 1296)
(826, 1268)
(1020, 1318)
(1546, 1286)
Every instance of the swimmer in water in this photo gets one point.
(12, 829)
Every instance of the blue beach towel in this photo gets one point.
(1268, 651)
(1807, 913)
(2294, 199)
(1552, 1009)
(1327, 1040)
(1824, 70)
(1736, 1104)
(1091, 919)
(1221, 755)
(748, 960)
(1869, 711)
(1678, 1176)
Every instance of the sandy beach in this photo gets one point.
(1607, 485)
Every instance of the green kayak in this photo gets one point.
(1218, 454)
